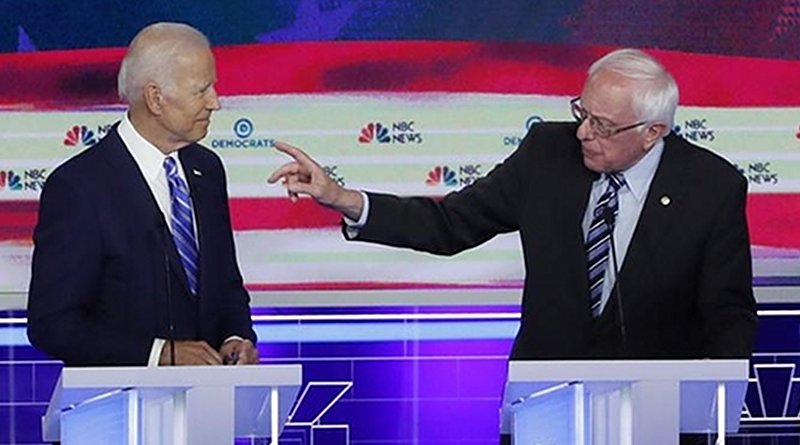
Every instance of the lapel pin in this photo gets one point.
(199, 173)
(665, 200)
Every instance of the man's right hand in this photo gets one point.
(189, 353)
(305, 176)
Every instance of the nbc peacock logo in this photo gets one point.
(10, 180)
(374, 132)
(442, 175)
(79, 135)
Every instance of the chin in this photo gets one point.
(592, 166)
(198, 135)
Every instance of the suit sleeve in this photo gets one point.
(461, 220)
(67, 278)
(236, 305)
(726, 300)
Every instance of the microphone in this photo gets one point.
(164, 235)
(610, 218)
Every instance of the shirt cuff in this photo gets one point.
(232, 337)
(352, 227)
(155, 352)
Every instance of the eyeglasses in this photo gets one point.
(600, 127)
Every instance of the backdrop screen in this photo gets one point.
(411, 97)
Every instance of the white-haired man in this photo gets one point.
(676, 211)
(134, 259)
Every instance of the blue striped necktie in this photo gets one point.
(182, 223)
(598, 240)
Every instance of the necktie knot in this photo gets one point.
(170, 167)
(615, 180)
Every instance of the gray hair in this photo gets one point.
(151, 56)
(656, 95)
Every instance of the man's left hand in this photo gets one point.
(239, 352)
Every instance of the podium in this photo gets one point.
(170, 405)
(622, 402)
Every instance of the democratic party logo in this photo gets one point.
(451, 177)
(533, 119)
(530, 121)
(696, 129)
(79, 135)
(400, 132)
(10, 180)
(243, 129)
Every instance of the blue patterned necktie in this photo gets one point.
(182, 223)
(598, 240)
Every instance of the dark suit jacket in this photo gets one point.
(98, 292)
(686, 281)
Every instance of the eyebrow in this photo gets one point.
(206, 85)
(603, 118)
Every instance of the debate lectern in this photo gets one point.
(622, 402)
(170, 405)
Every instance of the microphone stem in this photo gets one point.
(615, 288)
(171, 328)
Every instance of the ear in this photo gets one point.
(652, 134)
(153, 98)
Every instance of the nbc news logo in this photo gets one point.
(452, 177)
(31, 180)
(10, 180)
(401, 132)
(442, 175)
(82, 136)
(79, 135)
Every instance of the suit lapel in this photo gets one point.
(661, 209)
(575, 190)
(133, 188)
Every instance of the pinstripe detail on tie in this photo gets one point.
(182, 223)
(598, 240)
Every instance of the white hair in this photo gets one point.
(656, 96)
(151, 56)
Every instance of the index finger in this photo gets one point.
(295, 152)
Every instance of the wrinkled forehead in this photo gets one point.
(609, 95)
(194, 67)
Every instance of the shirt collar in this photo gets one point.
(639, 175)
(149, 158)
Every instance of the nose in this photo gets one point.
(584, 131)
(213, 99)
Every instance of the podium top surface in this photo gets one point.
(181, 376)
(628, 370)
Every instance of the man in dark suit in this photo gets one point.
(681, 287)
(134, 260)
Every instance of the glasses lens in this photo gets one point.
(600, 128)
(578, 112)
